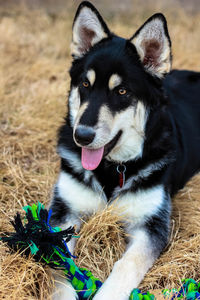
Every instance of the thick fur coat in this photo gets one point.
(128, 117)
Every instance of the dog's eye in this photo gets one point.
(85, 84)
(122, 91)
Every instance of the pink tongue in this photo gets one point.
(91, 158)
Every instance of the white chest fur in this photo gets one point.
(80, 198)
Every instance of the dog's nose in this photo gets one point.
(84, 135)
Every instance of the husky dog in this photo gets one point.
(129, 118)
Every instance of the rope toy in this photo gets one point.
(190, 290)
(49, 245)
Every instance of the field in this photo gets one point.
(34, 83)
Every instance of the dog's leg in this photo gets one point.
(71, 199)
(147, 239)
(64, 219)
(63, 289)
(129, 271)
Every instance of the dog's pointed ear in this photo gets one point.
(153, 45)
(88, 29)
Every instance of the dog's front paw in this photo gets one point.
(65, 294)
(111, 295)
(118, 285)
(63, 289)
(111, 292)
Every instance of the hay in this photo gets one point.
(34, 59)
(22, 278)
(101, 242)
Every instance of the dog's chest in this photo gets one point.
(109, 180)
(112, 177)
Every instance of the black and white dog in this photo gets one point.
(127, 119)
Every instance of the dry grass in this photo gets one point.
(101, 242)
(34, 59)
(23, 279)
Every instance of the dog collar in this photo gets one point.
(121, 169)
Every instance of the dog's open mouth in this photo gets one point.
(91, 158)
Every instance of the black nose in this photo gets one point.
(84, 135)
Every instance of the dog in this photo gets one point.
(132, 133)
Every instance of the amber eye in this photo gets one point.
(85, 84)
(122, 91)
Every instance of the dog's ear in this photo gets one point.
(88, 29)
(153, 45)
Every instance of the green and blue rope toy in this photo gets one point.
(49, 245)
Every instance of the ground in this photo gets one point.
(34, 83)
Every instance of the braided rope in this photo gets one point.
(87, 285)
(81, 279)
(190, 290)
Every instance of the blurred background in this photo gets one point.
(57, 6)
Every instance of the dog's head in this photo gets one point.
(114, 85)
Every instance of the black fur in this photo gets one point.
(59, 209)
(172, 132)
(173, 128)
